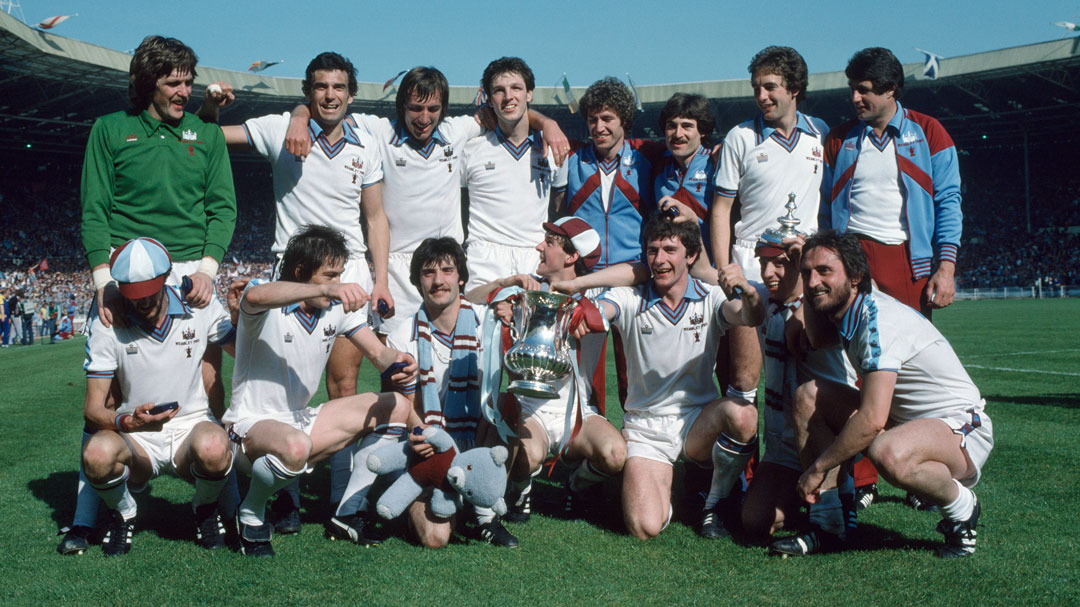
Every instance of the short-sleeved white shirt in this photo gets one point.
(325, 188)
(762, 167)
(509, 188)
(670, 354)
(161, 364)
(280, 357)
(879, 333)
(421, 187)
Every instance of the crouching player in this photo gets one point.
(163, 422)
(671, 325)
(772, 502)
(570, 249)
(285, 334)
(918, 416)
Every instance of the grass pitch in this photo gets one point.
(1023, 355)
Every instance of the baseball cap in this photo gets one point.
(140, 266)
(581, 235)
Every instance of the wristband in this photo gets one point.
(102, 278)
(120, 422)
(208, 266)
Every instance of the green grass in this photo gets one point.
(1027, 535)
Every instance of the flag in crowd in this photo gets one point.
(387, 84)
(931, 67)
(567, 95)
(633, 89)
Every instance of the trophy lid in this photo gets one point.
(773, 238)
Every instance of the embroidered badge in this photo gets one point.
(189, 135)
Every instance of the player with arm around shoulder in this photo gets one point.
(917, 415)
(673, 411)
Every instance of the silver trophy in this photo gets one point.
(541, 350)
(787, 225)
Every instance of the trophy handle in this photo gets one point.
(519, 319)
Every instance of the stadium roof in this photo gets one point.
(52, 88)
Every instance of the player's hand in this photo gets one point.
(485, 117)
(556, 141)
(809, 485)
(794, 246)
(504, 311)
(407, 376)
(351, 295)
(221, 95)
(419, 447)
(730, 278)
(202, 290)
(526, 282)
(232, 297)
(685, 212)
(140, 419)
(381, 294)
(108, 302)
(297, 139)
(941, 288)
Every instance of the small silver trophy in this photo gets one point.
(541, 350)
(787, 225)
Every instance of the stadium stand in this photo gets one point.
(1014, 114)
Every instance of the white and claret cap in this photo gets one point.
(584, 238)
(140, 267)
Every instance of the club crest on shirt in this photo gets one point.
(762, 158)
(356, 167)
(909, 138)
(132, 349)
(131, 137)
(489, 166)
(288, 337)
(329, 331)
(188, 334)
(399, 162)
(189, 135)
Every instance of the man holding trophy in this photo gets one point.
(567, 424)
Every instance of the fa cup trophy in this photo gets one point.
(541, 351)
(787, 223)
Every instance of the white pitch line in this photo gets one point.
(1023, 370)
(1023, 353)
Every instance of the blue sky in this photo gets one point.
(586, 39)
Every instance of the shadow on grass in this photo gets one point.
(169, 520)
(1065, 401)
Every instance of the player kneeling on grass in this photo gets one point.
(546, 427)
(918, 416)
(772, 502)
(285, 335)
(163, 421)
(670, 326)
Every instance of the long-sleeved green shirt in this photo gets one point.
(143, 177)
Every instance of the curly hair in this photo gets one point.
(329, 61)
(156, 57)
(785, 62)
(611, 94)
(880, 67)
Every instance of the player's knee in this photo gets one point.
(643, 528)
(892, 459)
(295, 450)
(99, 457)
(211, 451)
(612, 457)
(741, 421)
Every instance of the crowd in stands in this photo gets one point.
(39, 203)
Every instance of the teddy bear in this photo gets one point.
(477, 475)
